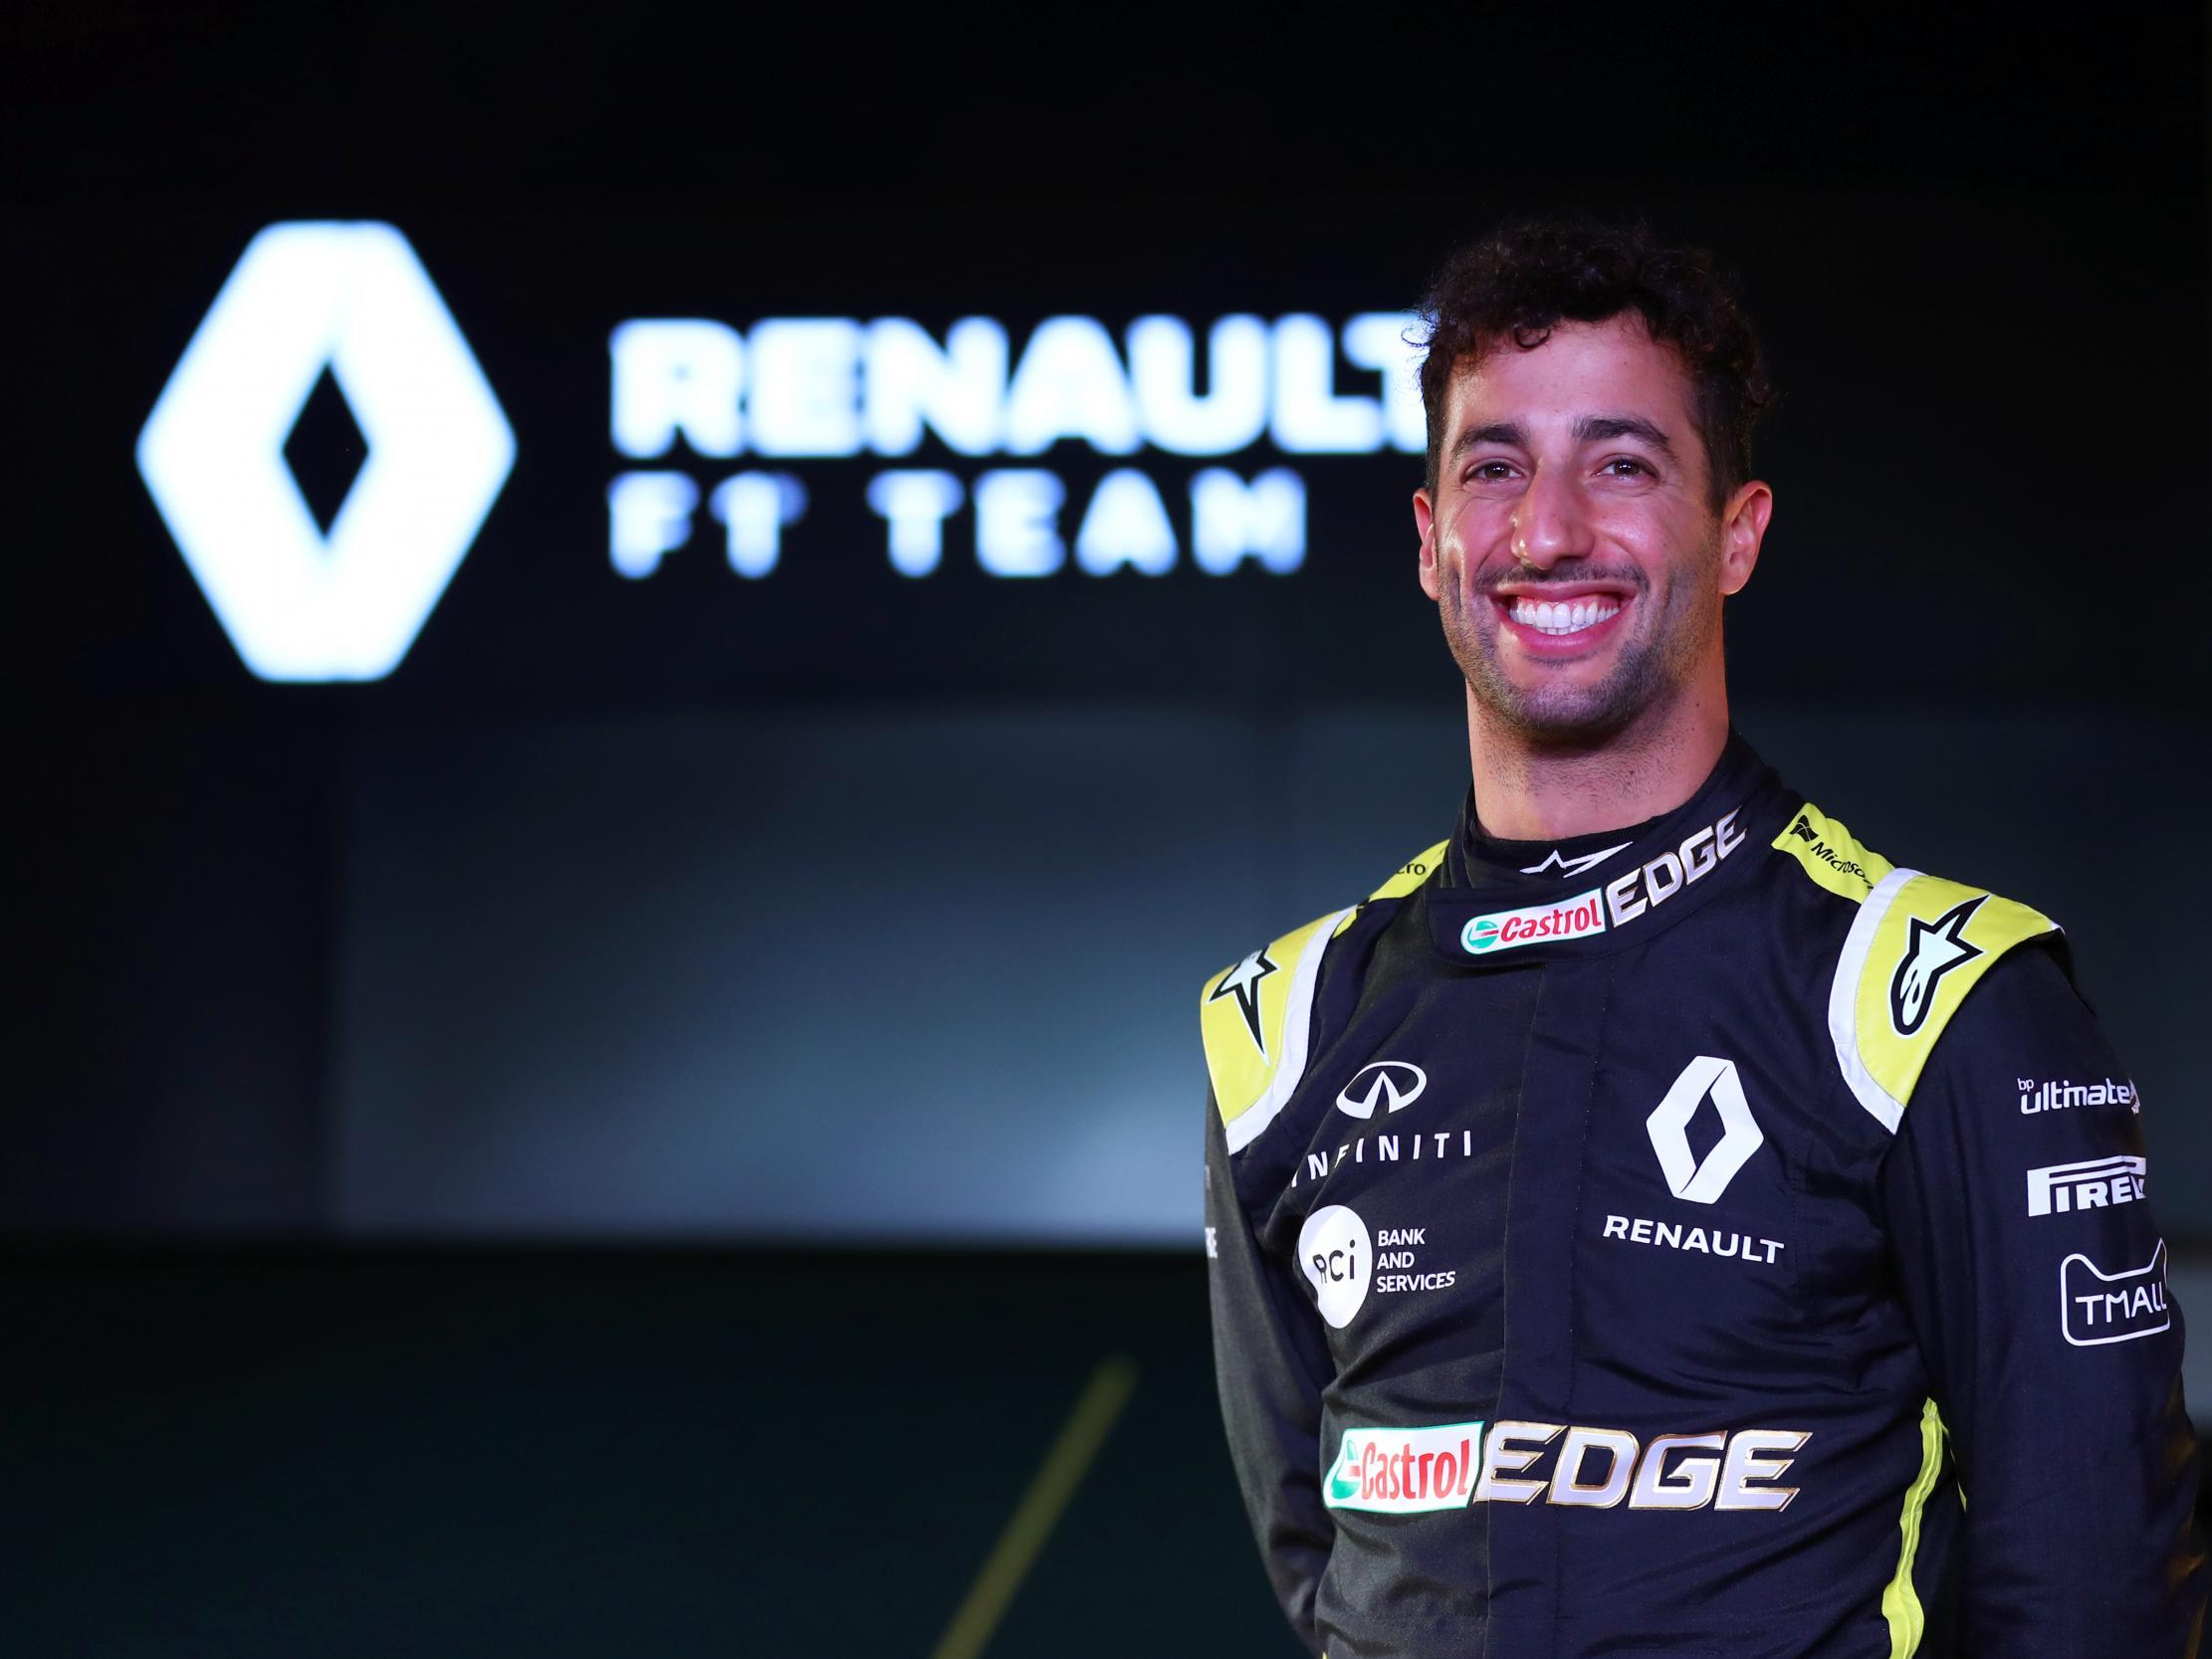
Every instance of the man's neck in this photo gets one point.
(1531, 791)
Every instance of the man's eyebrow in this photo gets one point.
(1596, 429)
(1505, 433)
(1587, 429)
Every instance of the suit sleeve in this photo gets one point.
(1269, 1360)
(2022, 1235)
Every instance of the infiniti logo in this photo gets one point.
(1397, 1083)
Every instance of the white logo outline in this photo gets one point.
(1569, 868)
(1932, 950)
(1696, 1182)
(351, 298)
(2051, 1189)
(1384, 1086)
(2157, 1265)
(1336, 1253)
(1243, 981)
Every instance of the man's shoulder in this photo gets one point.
(1256, 1016)
(1913, 946)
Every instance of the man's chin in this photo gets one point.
(1569, 729)
(1555, 716)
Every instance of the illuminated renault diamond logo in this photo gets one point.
(350, 297)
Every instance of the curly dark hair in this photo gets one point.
(1525, 278)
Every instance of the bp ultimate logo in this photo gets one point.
(350, 298)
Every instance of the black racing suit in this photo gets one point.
(1698, 1240)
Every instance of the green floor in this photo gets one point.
(562, 1453)
(566, 1454)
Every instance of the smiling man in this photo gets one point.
(1642, 1225)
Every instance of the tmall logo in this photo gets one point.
(351, 298)
(2096, 1307)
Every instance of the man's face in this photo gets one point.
(1569, 542)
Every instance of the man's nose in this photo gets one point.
(1549, 524)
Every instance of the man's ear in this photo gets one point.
(1425, 521)
(1743, 527)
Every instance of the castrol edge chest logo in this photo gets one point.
(1574, 917)
(1627, 896)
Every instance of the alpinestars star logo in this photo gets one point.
(1242, 982)
(1932, 950)
(350, 298)
(1570, 867)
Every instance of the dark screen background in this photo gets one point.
(838, 903)
(836, 935)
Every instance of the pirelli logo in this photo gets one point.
(2097, 1183)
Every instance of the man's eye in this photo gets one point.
(1492, 472)
(1623, 466)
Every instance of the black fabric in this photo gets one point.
(1529, 1259)
(1487, 863)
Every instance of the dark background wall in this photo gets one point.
(839, 908)
(622, 901)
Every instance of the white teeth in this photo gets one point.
(1570, 618)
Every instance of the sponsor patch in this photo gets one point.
(1397, 1263)
(1850, 867)
(1570, 868)
(1672, 1235)
(1405, 1470)
(2063, 1092)
(1702, 1180)
(2094, 1184)
(1932, 950)
(2096, 1307)
(1397, 1084)
(1575, 917)
(1242, 982)
(1414, 1471)
(1630, 895)
(1413, 1148)
(1337, 1256)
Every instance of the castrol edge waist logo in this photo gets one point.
(1415, 1471)
(1574, 917)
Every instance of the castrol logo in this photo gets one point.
(1575, 917)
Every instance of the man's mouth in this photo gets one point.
(1562, 625)
(1558, 618)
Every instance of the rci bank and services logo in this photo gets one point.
(353, 298)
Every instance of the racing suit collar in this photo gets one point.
(1517, 901)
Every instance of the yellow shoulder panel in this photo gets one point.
(1918, 946)
(1408, 876)
(1253, 1016)
(1411, 873)
(1831, 854)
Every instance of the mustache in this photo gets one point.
(1566, 573)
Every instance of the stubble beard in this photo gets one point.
(1648, 670)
